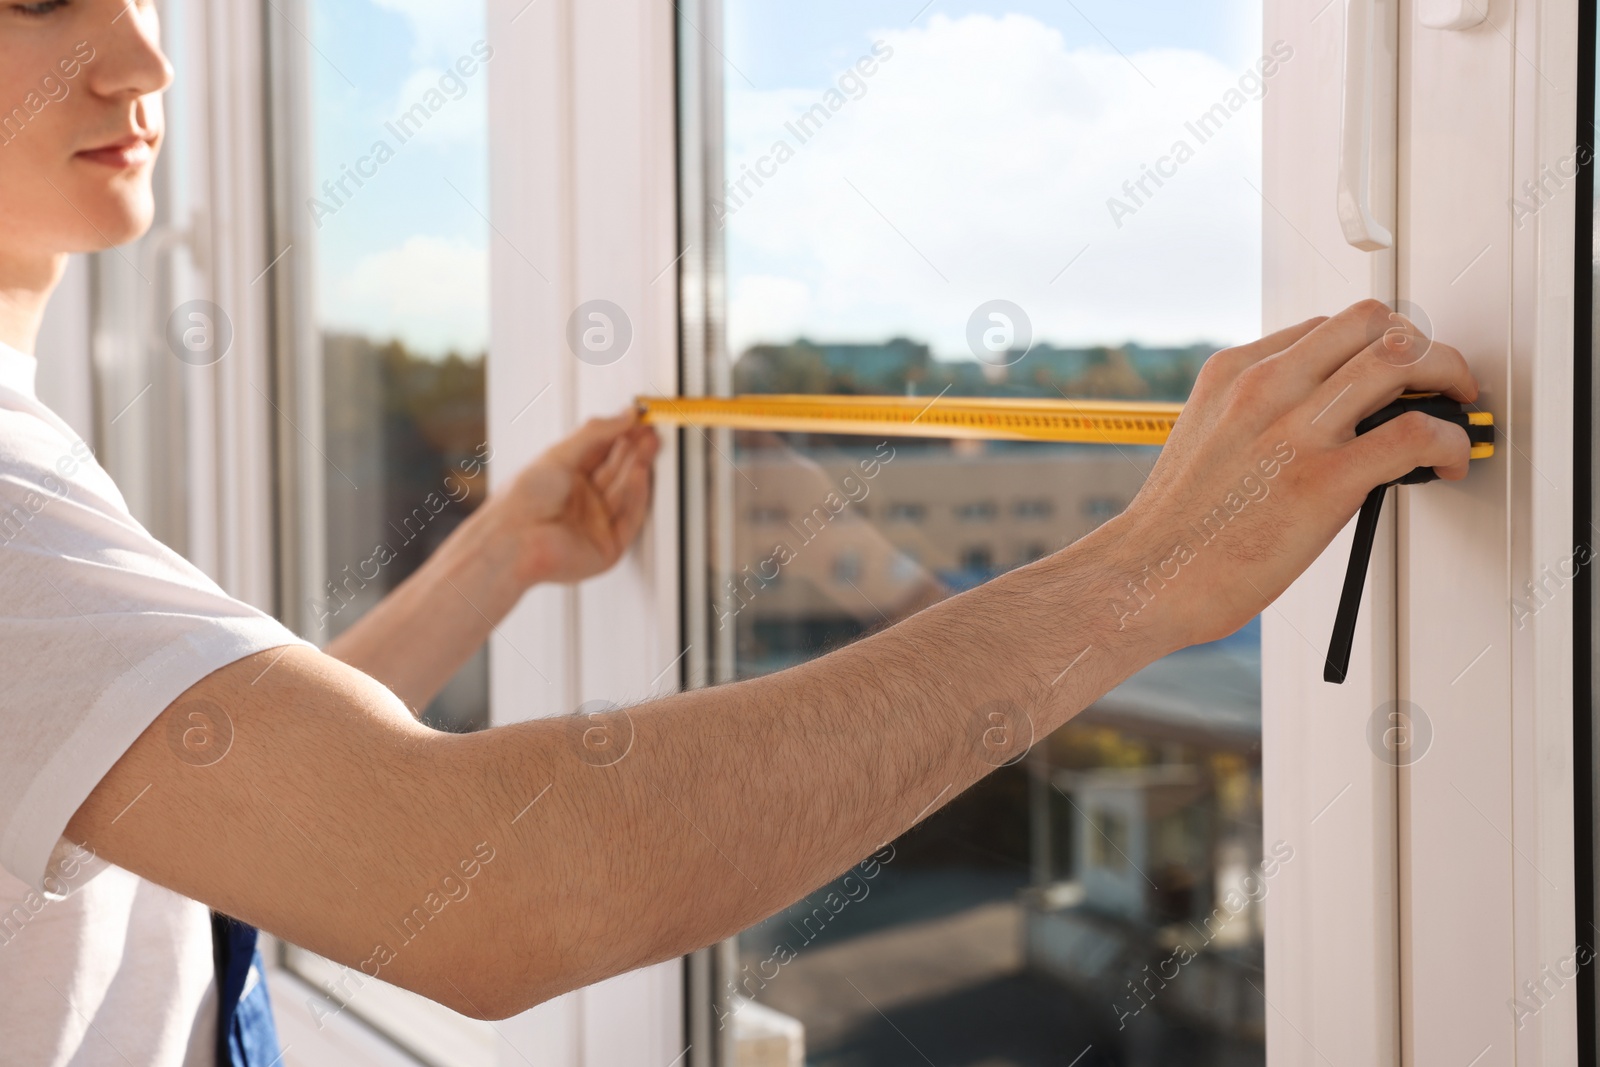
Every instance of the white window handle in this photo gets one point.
(1361, 229)
(1451, 14)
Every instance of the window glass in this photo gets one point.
(394, 157)
(1004, 198)
(399, 163)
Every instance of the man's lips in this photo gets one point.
(127, 152)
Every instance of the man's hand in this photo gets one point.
(1264, 467)
(578, 507)
(569, 515)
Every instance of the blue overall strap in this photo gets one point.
(246, 1036)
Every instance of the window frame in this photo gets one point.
(1492, 805)
(583, 194)
(1325, 793)
(582, 201)
(1585, 402)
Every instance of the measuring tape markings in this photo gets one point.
(1087, 422)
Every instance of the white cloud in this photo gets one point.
(431, 293)
(992, 148)
(441, 30)
(441, 34)
(462, 120)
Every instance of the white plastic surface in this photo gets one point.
(1361, 228)
(1451, 14)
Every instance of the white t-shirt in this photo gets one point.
(101, 628)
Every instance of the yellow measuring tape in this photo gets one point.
(1097, 422)
(1089, 421)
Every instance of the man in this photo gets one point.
(164, 748)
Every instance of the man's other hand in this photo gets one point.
(575, 510)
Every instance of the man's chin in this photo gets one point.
(117, 221)
(130, 231)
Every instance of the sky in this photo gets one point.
(406, 254)
(975, 163)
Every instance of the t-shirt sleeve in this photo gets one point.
(101, 628)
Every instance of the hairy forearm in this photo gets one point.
(417, 638)
(718, 807)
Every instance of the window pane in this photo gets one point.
(1012, 199)
(400, 175)
(395, 157)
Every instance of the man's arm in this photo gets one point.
(337, 822)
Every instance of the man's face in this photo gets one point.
(80, 123)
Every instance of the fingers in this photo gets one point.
(589, 445)
(1350, 366)
(1229, 363)
(1399, 362)
(639, 445)
(626, 490)
(1366, 328)
(1398, 446)
(1276, 342)
(614, 461)
(1322, 351)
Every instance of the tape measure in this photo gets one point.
(1094, 422)
(981, 418)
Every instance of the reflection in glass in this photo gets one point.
(405, 434)
(399, 167)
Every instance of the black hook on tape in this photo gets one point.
(1480, 431)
